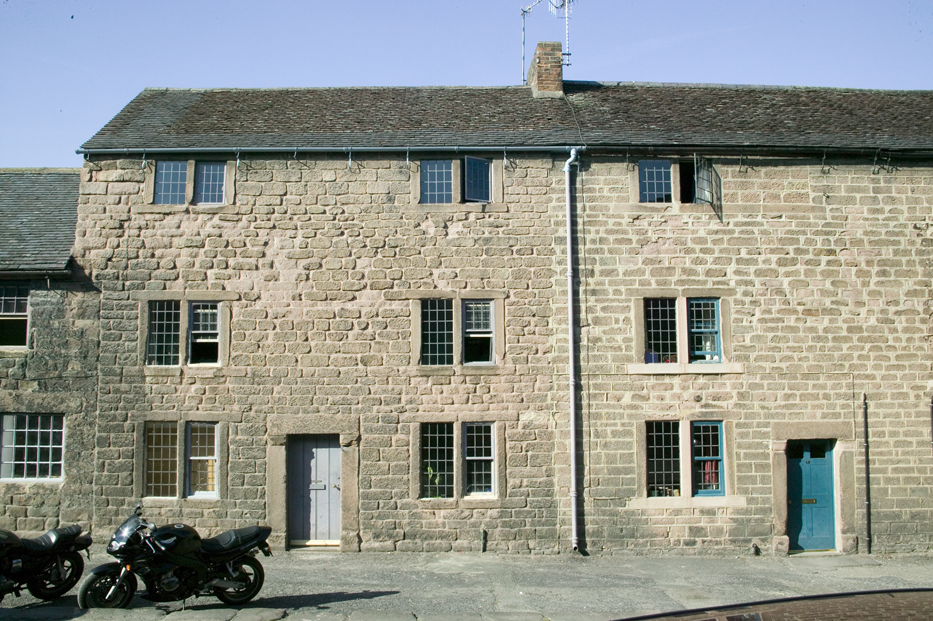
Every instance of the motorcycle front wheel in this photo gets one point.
(58, 578)
(250, 572)
(93, 593)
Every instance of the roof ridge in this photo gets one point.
(756, 87)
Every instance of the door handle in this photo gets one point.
(336, 486)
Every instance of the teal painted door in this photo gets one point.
(810, 511)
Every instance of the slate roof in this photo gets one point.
(38, 214)
(609, 115)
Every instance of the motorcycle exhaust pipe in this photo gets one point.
(224, 584)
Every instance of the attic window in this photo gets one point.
(170, 182)
(440, 181)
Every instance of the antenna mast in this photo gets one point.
(553, 6)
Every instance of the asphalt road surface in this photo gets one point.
(452, 586)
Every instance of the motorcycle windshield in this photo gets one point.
(126, 530)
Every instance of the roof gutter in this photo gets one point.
(138, 151)
(22, 274)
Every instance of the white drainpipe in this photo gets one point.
(571, 357)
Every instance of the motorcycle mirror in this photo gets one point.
(139, 508)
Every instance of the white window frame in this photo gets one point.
(186, 303)
(496, 301)
(176, 462)
(12, 296)
(190, 459)
(459, 463)
(15, 436)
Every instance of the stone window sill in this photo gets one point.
(458, 207)
(663, 368)
(685, 502)
(13, 351)
(150, 208)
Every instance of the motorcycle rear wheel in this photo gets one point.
(93, 593)
(249, 568)
(51, 583)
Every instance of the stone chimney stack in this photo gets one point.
(546, 73)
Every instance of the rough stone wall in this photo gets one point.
(324, 258)
(828, 268)
(56, 375)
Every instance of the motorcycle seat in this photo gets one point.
(50, 539)
(230, 540)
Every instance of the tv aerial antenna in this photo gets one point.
(554, 7)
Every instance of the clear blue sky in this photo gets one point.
(68, 66)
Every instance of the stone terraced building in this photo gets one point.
(349, 313)
(48, 354)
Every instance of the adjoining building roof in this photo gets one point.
(38, 215)
(597, 115)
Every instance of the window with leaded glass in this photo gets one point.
(203, 333)
(479, 458)
(162, 345)
(477, 332)
(660, 330)
(14, 315)
(209, 180)
(437, 460)
(437, 332)
(202, 459)
(654, 181)
(161, 459)
(707, 458)
(662, 442)
(32, 446)
(437, 181)
(171, 180)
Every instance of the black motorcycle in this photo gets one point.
(48, 565)
(175, 563)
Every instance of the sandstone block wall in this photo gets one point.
(56, 375)
(825, 268)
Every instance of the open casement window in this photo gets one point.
(707, 185)
(458, 181)
(14, 315)
(32, 446)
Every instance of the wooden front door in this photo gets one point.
(313, 473)
(810, 509)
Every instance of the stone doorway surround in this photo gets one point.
(844, 454)
(279, 427)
